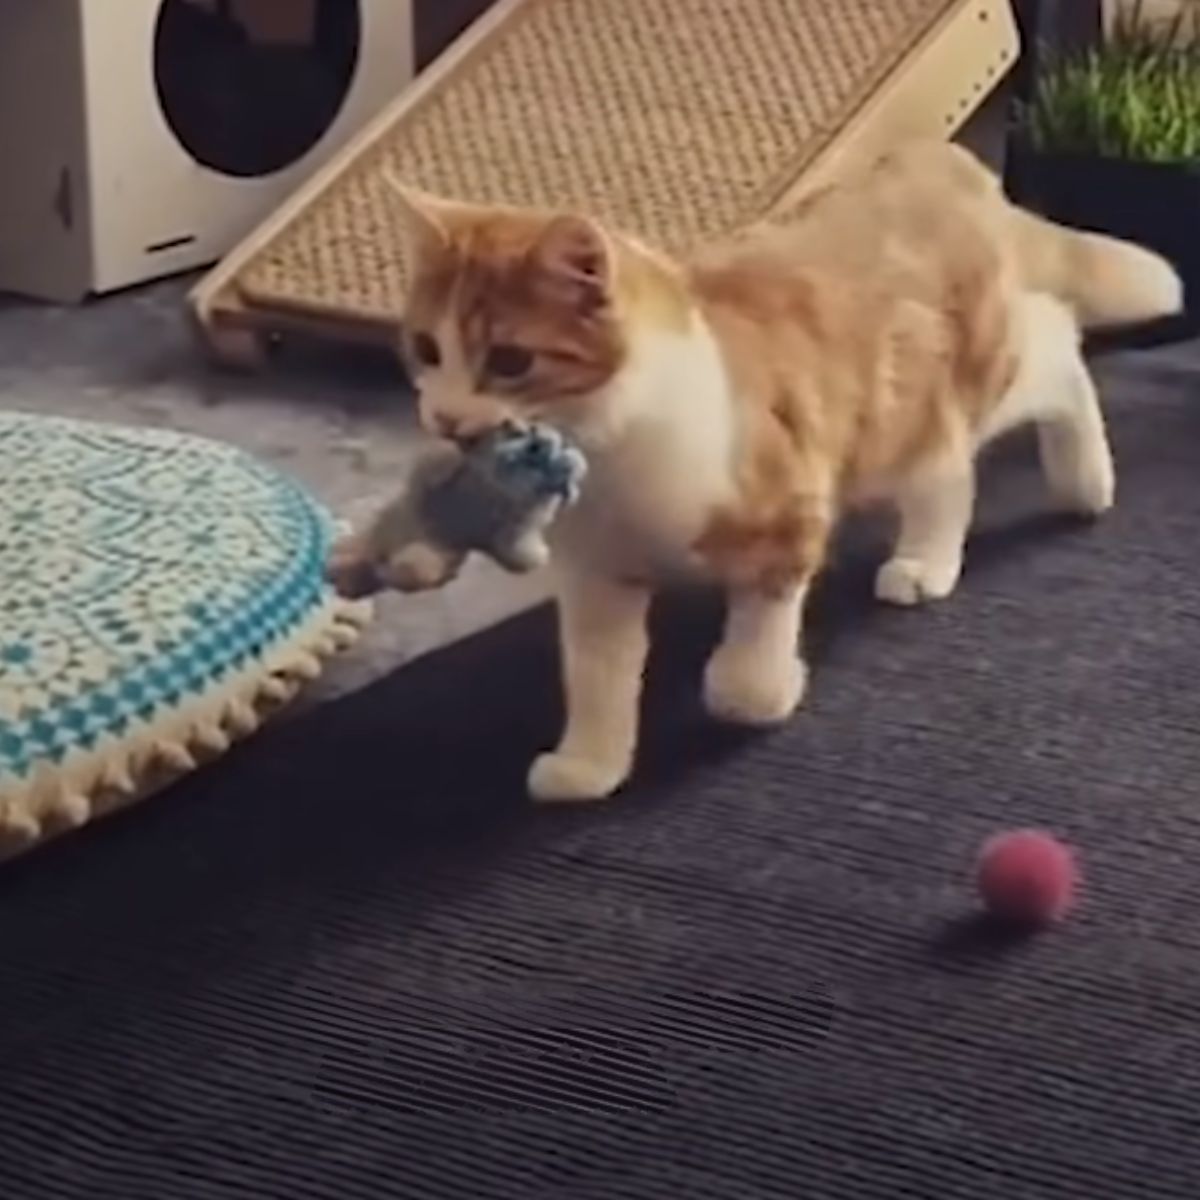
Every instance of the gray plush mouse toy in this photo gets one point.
(496, 496)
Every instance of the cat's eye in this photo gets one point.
(505, 361)
(425, 350)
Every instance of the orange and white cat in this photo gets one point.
(735, 402)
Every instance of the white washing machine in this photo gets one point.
(139, 138)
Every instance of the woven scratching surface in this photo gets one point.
(676, 121)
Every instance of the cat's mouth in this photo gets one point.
(465, 423)
(507, 427)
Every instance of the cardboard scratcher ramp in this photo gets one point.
(675, 120)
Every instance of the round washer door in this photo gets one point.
(248, 87)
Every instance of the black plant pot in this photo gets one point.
(1154, 204)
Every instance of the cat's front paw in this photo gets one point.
(565, 778)
(909, 581)
(749, 689)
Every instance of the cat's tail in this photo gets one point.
(1105, 280)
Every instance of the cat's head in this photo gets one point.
(516, 313)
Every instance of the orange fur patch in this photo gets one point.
(869, 337)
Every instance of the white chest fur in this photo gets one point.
(661, 451)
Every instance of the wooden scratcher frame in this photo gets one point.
(933, 91)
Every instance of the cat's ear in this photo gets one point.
(427, 218)
(577, 251)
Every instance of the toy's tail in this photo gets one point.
(1105, 280)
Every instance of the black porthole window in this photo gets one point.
(245, 96)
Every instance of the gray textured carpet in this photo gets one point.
(350, 963)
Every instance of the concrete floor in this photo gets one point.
(343, 424)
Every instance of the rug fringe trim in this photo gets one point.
(119, 771)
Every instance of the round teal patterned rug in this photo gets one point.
(158, 595)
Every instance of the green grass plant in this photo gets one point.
(1134, 95)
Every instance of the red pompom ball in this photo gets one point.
(1027, 876)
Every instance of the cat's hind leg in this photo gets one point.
(1076, 458)
(1053, 389)
(935, 504)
